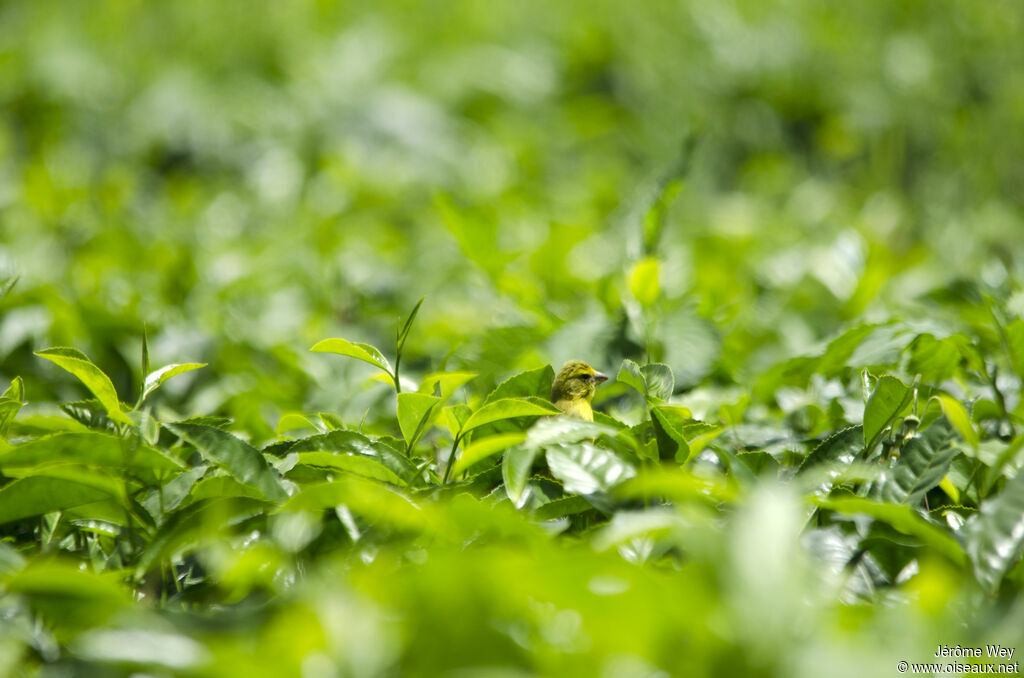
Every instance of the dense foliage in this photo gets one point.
(283, 287)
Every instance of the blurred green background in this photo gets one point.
(247, 178)
(719, 186)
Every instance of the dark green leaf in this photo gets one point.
(890, 398)
(536, 383)
(240, 459)
(994, 539)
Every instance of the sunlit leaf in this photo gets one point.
(414, 411)
(484, 448)
(157, 377)
(508, 408)
(364, 352)
(643, 281)
(958, 417)
(78, 364)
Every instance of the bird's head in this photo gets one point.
(576, 381)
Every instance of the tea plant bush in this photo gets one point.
(284, 286)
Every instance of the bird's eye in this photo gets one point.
(586, 377)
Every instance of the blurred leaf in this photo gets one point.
(483, 448)
(364, 352)
(903, 518)
(7, 285)
(241, 460)
(643, 281)
(958, 417)
(11, 403)
(78, 364)
(39, 494)
(889, 400)
(559, 508)
(365, 497)
(157, 377)
(89, 449)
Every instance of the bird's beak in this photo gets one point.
(598, 377)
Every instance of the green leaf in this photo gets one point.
(890, 398)
(994, 539)
(923, 463)
(393, 457)
(444, 384)
(414, 411)
(559, 508)
(11, 403)
(379, 503)
(78, 364)
(902, 518)
(403, 333)
(643, 281)
(7, 285)
(456, 417)
(535, 383)
(364, 352)
(630, 375)
(157, 377)
(508, 408)
(16, 391)
(88, 449)
(367, 467)
(839, 449)
(515, 472)
(1015, 345)
(668, 424)
(561, 430)
(958, 417)
(294, 421)
(585, 468)
(39, 494)
(483, 448)
(658, 380)
(243, 461)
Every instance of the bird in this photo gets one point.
(573, 388)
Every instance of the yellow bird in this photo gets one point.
(574, 387)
